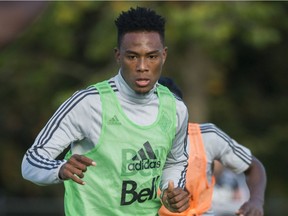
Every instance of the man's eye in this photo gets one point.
(153, 56)
(131, 57)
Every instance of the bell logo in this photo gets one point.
(130, 193)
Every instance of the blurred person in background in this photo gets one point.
(230, 191)
(208, 144)
(127, 134)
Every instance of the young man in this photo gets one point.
(123, 133)
(207, 144)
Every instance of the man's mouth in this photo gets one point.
(142, 82)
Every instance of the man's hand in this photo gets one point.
(175, 199)
(256, 181)
(75, 167)
(251, 208)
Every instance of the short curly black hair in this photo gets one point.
(139, 19)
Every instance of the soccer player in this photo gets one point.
(208, 143)
(127, 134)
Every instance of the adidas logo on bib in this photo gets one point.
(143, 161)
(114, 121)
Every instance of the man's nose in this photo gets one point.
(142, 64)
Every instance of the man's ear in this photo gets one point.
(165, 52)
(117, 54)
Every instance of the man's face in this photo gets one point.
(141, 56)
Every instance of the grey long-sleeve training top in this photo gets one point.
(78, 122)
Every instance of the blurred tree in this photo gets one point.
(15, 17)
